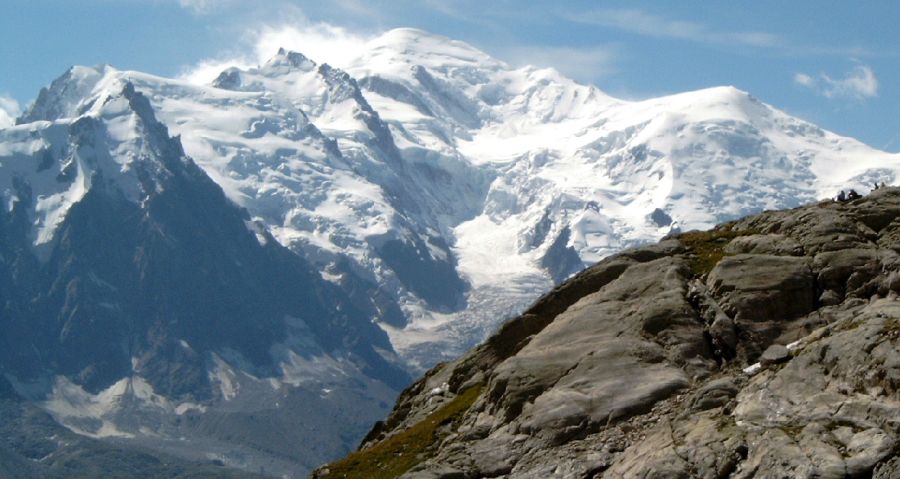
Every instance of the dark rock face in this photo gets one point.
(641, 366)
(157, 291)
(126, 283)
(561, 260)
(761, 292)
(432, 280)
(660, 218)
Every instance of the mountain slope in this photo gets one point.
(448, 189)
(311, 233)
(766, 347)
(32, 444)
(140, 303)
(578, 175)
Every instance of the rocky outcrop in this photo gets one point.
(159, 313)
(768, 347)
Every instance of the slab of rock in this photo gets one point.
(762, 293)
(774, 354)
(625, 371)
(763, 287)
(773, 244)
(835, 267)
(714, 394)
(591, 365)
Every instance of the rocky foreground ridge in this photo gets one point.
(766, 347)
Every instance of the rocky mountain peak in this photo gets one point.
(262, 257)
(766, 346)
(291, 59)
(65, 94)
(135, 292)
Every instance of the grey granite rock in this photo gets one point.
(716, 393)
(774, 354)
(762, 293)
(773, 244)
(634, 369)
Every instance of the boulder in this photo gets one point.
(716, 393)
(774, 354)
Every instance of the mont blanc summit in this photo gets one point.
(466, 185)
(290, 241)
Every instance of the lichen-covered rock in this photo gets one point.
(772, 244)
(715, 393)
(761, 293)
(763, 288)
(635, 368)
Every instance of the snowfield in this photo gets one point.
(439, 189)
(425, 154)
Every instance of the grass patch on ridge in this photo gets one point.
(708, 247)
(397, 454)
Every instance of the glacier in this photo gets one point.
(442, 188)
(495, 181)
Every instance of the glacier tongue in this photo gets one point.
(575, 172)
(458, 187)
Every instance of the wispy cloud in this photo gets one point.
(204, 7)
(322, 42)
(357, 7)
(9, 111)
(584, 64)
(859, 84)
(453, 9)
(644, 23)
(337, 45)
(803, 79)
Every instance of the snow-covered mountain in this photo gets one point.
(139, 304)
(425, 187)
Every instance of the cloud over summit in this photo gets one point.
(9, 111)
(321, 42)
(859, 83)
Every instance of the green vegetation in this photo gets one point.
(792, 430)
(847, 325)
(892, 325)
(708, 247)
(399, 453)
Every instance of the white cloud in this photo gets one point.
(582, 64)
(859, 83)
(9, 111)
(322, 42)
(643, 23)
(803, 79)
(207, 70)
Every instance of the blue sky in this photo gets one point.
(836, 64)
